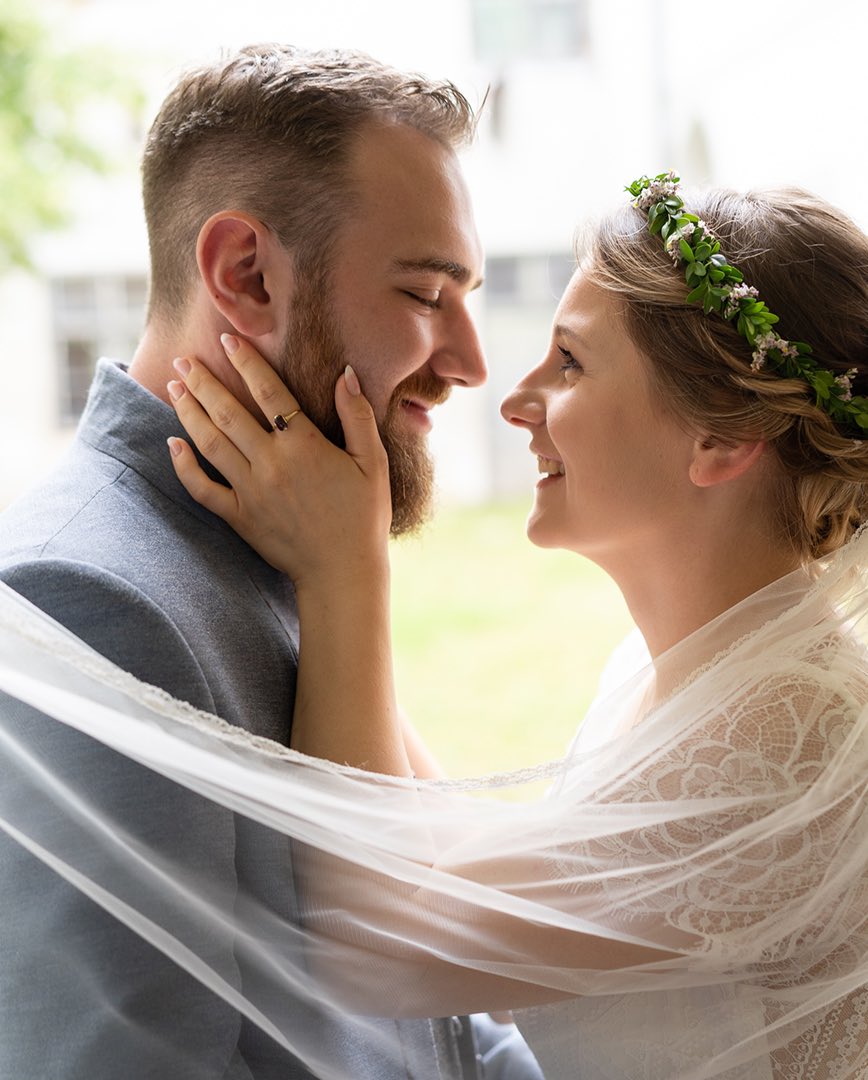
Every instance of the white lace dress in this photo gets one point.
(652, 1036)
(677, 1033)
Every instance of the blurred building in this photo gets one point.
(545, 66)
(582, 96)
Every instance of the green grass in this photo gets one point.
(498, 645)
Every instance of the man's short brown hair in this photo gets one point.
(268, 131)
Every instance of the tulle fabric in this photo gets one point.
(713, 808)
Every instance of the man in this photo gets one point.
(312, 203)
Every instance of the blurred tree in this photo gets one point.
(45, 93)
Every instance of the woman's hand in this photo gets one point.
(309, 508)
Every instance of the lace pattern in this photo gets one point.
(749, 896)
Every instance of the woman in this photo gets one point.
(691, 900)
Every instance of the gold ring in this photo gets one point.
(281, 421)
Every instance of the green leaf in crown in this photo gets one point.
(720, 289)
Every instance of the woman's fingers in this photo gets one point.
(307, 507)
(266, 387)
(215, 497)
(366, 449)
(224, 410)
(205, 428)
(361, 436)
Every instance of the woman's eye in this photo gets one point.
(569, 362)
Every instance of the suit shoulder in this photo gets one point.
(114, 617)
(61, 503)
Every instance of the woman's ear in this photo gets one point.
(238, 261)
(715, 462)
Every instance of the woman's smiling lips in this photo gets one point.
(549, 466)
(551, 469)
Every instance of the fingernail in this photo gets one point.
(352, 381)
(230, 343)
(174, 445)
(181, 365)
(176, 389)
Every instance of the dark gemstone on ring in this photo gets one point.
(280, 423)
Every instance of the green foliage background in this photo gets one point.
(45, 92)
(498, 645)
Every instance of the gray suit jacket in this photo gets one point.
(114, 548)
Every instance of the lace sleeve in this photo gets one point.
(740, 835)
(756, 873)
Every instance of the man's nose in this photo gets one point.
(460, 359)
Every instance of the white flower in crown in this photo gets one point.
(763, 346)
(683, 233)
(672, 248)
(706, 233)
(736, 293)
(845, 381)
(656, 191)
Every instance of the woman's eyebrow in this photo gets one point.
(563, 330)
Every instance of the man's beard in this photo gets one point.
(312, 358)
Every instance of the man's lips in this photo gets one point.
(417, 403)
(417, 411)
(423, 391)
(418, 396)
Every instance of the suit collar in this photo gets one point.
(127, 422)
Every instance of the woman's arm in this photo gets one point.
(327, 527)
(345, 707)
(422, 761)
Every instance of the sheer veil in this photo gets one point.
(713, 808)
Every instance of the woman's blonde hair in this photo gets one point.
(810, 265)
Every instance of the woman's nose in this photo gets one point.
(523, 407)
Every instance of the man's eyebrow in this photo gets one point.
(434, 265)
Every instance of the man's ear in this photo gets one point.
(715, 462)
(238, 262)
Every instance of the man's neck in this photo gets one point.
(151, 365)
(161, 343)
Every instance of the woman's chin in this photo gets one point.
(540, 533)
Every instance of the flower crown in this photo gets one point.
(720, 288)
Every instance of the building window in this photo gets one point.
(93, 317)
(527, 279)
(501, 278)
(506, 30)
